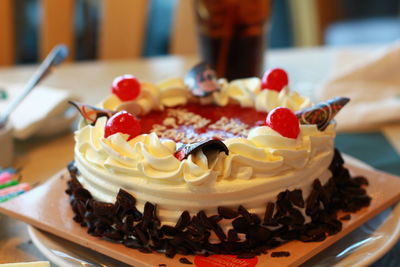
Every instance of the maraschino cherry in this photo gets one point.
(274, 79)
(283, 121)
(126, 87)
(123, 122)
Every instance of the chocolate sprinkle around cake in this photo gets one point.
(283, 221)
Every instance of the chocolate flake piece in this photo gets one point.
(91, 113)
(243, 211)
(125, 199)
(279, 254)
(246, 255)
(102, 208)
(259, 233)
(184, 260)
(210, 145)
(162, 265)
(269, 210)
(360, 180)
(201, 215)
(322, 113)
(219, 232)
(240, 224)
(233, 235)
(296, 197)
(147, 215)
(227, 213)
(183, 220)
(202, 80)
(132, 243)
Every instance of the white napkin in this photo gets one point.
(42, 112)
(373, 87)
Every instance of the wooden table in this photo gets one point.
(41, 158)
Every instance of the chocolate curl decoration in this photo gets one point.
(202, 80)
(91, 113)
(322, 113)
(210, 145)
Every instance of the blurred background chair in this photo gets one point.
(110, 29)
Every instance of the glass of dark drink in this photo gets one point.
(232, 35)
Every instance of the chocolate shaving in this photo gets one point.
(296, 198)
(201, 80)
(183, 221)
(207, 146)
(227, 213)
(322, 113)
(269, 210)
(279, 254)
(185, 261)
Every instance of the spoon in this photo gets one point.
(54, 58)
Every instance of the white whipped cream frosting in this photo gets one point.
(146, 166)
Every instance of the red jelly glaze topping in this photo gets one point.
(126, 87)
(122, 122)
(249, 116)
(284, 121)
(274, 79)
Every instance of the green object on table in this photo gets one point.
(372, 148)
(3, 94)
(10, 196)
(10, 183)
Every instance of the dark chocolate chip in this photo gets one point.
(125, 199)
(184, 260)
(246, 255)
(259, 233)
(170, 252)
(183, 220)
(278, 254)
(113, 234)
(240, 224)
(169, 230)
(243, 211)
(360, 180)
(102, 208)
(269, 211)
(296, 197)
(215, 218)
(201, 215)
(147, 215)
(82, 194)
(227, 213)
(145, 250)
(219, 232)
(141, 235)
(233, 235)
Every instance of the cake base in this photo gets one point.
(283, 220)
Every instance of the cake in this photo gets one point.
(201, 165)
